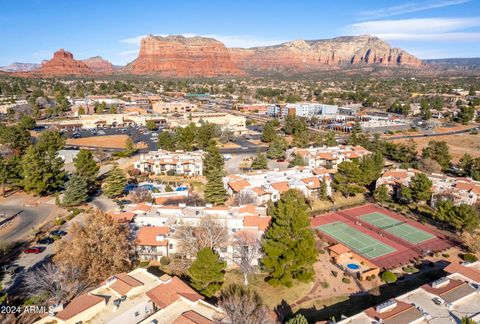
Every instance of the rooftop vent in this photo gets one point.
(386, 306)
(442, 282)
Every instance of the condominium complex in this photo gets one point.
(137, 297)
(446, 300)
(458, 190)
(328, 157)
(174, 163)
(260, 187)
(157, 224)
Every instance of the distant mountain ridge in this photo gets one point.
(20, 67)
(179, 56)
(455, 63)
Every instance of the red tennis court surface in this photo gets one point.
(405, 251)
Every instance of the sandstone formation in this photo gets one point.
(99, 65)
(301, 56)
(183, 57)
(62, 64)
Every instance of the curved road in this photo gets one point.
(27, 219)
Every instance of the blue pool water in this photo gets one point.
(353, 266)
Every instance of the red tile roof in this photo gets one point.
(142, 206)
(261, 222)
(281, 187)
(170, 200)
(238, 185)
(312, 182)
(165, 294)
(248, 209)
(468, 272)
(191, 317)
(78, 305)
(124, 283)
(121, 217)
(148, 236)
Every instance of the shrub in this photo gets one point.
(346, 280)
(469, 257)
(389, 277)
(324, 284)
(321, 251)
(373, 276)
(445, 255)
(144, 264)
(164, 260)
(59, 221)
(334, 273)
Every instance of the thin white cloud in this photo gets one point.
(459, 37)
(413, 26)
(409, 8)
(229, 40)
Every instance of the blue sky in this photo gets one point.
(31, 30)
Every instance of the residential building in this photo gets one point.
(162, 107)
(458, 190)
(446, 300)
(274, 111)
(328, 157)
(166, 162)
(157, 224)
(136, 297)
(259, 187)
(307, 109)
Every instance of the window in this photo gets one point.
(137, 314)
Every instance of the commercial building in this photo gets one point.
(136, 297)
(259, 108)
(328, 157)
(307, 109)
(260, 187)
(458, 190)
(175, 163)
(236, 124)
(446, 300)
(94, 121)
(162, 107)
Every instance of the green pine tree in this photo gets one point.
(76, 191)
(166, 141)
(269, 132)
(260, 162)
(298, 319)
(130, 148)
(215, 192)
(381, 194)
(207, 272)
(277, 148)
(213, 161)
(421, 188)
(86, 167)
(289, 243)
(115, 182)
(50, 141)
(349, 179)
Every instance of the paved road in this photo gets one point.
(27, 219)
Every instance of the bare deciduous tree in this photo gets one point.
(99, 248)
(244, 198)
(57, 284)
(209, 233)
(472, 241)
(246, 249)
(242, 305)
(139, 195)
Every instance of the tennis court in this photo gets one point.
(356, 240)
(397, 228)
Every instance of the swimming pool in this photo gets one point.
(353, 266)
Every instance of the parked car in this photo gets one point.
(46, 240)
(58, 233)
(281, 160)
(34, 250)
(437, 300)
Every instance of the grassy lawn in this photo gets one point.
(322, 303)
(272, 296)
(340, 202)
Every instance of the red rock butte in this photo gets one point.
(63, 63)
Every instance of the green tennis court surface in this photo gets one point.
(356, 240)
(397, 228)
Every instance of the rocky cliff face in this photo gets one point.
(301, 56)
(183, 57)
(63, 63)
(99, 65)
(20, 67)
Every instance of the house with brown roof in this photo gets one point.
(152, 242)
(137, 297)
(328, 157)
(458, 190)
(175, 163)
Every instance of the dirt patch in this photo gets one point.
(107, 141)
(458, 144)
(230, 145)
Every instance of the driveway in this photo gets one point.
(28, 219)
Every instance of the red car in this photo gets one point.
(34, 250)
